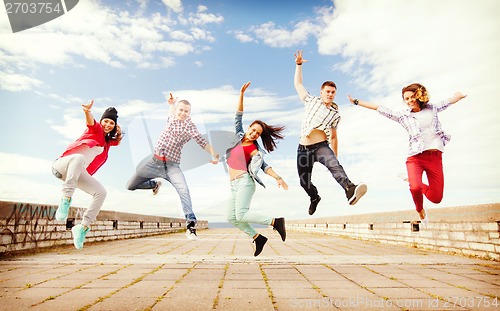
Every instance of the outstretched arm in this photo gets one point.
(297, 81)
(89, 118)
(362, 103)
(244, 87)
(456, 97)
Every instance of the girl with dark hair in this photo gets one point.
(427, 141)
(244, 161)
(80, 161)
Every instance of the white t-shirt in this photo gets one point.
(88, 153)
(431, 140)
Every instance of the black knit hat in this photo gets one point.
(110, 113)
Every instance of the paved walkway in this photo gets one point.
(219, 272)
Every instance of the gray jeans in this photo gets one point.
(72, 171)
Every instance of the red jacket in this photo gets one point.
(93, 136)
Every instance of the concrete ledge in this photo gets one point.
(466, 230)
(26, 226)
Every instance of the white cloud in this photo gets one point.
(17, 82)
(101, 34)
(22, 165)
(243, 37)
(275, 36)
(174, 5)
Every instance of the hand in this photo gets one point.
(245, 87)
(352, 100)
(282, 183)
(298, 57)
(87, 107)
(216, 160)
(458, 96)
(171, 99)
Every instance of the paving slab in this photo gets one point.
(219, 272)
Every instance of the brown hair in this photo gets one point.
(419, 92)
(269, 134)
(328, 83)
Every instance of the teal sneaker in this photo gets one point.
(79, 234)
(63, 209)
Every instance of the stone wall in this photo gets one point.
(467, 230)
(26, 226)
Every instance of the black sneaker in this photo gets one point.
(279, 225)
(259, 241)
(355, 192)
(191, 231)
(313, 205)
(191, 234)
(157, 187)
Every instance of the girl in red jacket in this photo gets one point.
(80, 161)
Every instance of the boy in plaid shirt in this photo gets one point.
(167, 157)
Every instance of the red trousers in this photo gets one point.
(431, 163)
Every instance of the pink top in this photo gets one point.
(240, 156)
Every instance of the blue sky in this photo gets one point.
(131, 54)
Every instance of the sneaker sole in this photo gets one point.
(58, 217)
(358, 193)
(74, 241)
(192, 237)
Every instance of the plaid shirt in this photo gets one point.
(175, 135)
(412, 126)
(318, 116)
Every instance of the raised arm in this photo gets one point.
(244, 87)
(171, 103)
(297, 81)
(362, 103)
(89, 118)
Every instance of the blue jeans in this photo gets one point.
(238, 208)
(322, 153)
(154, 168)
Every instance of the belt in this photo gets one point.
(157, 157)
(239, 176)
(313, 146)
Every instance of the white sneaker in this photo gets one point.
(403, 176)
(425, 222)
(191, 234)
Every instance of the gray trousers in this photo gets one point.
(73, 173)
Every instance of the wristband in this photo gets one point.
(356, 101)
(299, 64)
(278, 178)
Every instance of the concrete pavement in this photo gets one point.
(219, 272)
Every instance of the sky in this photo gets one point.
(131, 54)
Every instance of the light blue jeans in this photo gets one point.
(238, 208)
(148, 170)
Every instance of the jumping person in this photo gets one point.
(427, 141)
(167, 157)
(319, 128)
(244, 161)
(80, 161)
